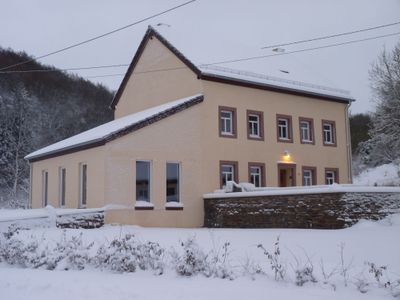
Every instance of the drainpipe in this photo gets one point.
(348, 145)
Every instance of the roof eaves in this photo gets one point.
(270, 87)
(126, 130)
(148, 35)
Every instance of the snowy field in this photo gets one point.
(250, 270)
(385, 175)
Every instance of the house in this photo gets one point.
(183, 130)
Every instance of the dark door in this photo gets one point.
(287, 175)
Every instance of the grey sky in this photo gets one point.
(208, 31)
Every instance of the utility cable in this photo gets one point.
(330, 36)
(98, 36)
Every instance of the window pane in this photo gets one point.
(308, 177)
(226, 122)
(62, 186)
(254, 125)
(143, 181)
(83, 184)
(227, 173)
(45, 187)
(172, 182)
(255, 176)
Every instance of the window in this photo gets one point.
(173, 182)
(255, 125)
(45, 188)
(82, 185)
(331, 176)
(306, 130)
(227, 122)
(309, 176)
(143, 181)
(228, 172)
(284, 128)
(329, 133)
(62, 178)
(256, 174)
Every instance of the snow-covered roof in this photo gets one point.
(111, 130)
(287, 77)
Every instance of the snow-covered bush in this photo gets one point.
(275, 260)
(127, 254)
(193, 260)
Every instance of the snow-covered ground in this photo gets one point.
(385, 175)
(376, 242)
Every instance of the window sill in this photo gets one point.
(174, 206)
(282, 140)
(255, 137)
(227, 135)
(330, 144)
(144, 205)
(308, 142)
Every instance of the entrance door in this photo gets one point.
(287, 175)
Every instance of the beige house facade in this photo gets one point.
(181, 131)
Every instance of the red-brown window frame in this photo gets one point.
(311, 121)
(333, 124)
(290, 124)
(336, 170)
(234, 121)
(260, 115)
(263, 173)
(235, 165)
(314, 174)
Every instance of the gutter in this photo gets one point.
(348, 145)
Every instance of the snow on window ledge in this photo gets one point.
(174, 205)
(144, 205)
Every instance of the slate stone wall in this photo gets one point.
(86, 221)
(320, 211)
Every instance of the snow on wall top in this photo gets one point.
(316, 189)
(102, 132)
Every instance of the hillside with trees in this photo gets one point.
(37, 109)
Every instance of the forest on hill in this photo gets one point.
(37, 109)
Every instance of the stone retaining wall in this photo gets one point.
(320, 211)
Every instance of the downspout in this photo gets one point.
(348, 145)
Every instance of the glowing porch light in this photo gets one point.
(286, 156)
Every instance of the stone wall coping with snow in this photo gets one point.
(316, 189)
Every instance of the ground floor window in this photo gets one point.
(228, 172)
(45, 188)
(309, 176)
(82, 185)
(256, 174)
(331, 176)
(143, 181)
(173, 182)
(62, 179)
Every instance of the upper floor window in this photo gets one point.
(329, 133)
(256, 174)
(228, 172)
(255, 125)
(143, 181)
(62, 178)
(306, 130)
(227, 121)
(82, 185)
(284, 128)
(331, 176)
(309, 176)
(173, 182)
(45, 188)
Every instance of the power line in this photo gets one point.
(330, 36)
(64, 69)
(301, 50)
(213, 63)
(99, 36)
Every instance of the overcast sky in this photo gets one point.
(209, 31)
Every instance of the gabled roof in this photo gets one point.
(109, 131)
(236, 77)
